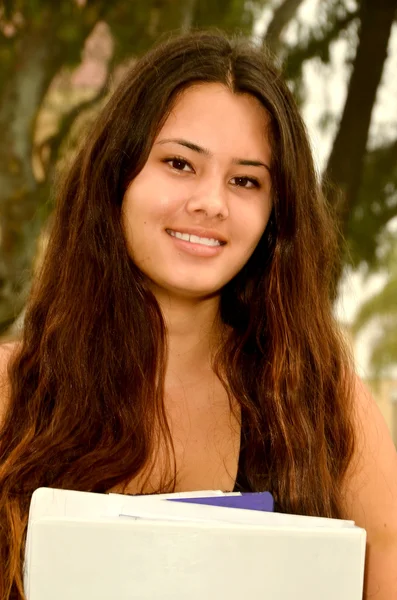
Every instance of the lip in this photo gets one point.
(201, 232)
(197, 250)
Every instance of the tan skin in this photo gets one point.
(206, 433)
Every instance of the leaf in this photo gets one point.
(376, 206)
(384, 352)
(381, 305)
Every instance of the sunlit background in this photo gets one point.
(60, 60)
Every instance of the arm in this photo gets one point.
(371, 495)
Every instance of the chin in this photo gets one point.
(182, 290)
(194, 293)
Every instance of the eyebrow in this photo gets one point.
(206, 152)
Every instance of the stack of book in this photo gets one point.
(192, 546)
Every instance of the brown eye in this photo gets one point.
(246, 182)
(179, 164)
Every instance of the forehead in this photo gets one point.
(211, 115)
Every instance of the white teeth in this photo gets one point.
(194, 239)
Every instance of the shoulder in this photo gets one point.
(375, 458)
(371, 491)
(6, 353)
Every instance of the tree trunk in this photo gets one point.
(188, 15)
(21, 98)
(39, 50)
(344, 170)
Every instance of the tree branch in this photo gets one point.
(317, 46)
(345, 165)
(376, 205)
(54, 142)
(281, 18)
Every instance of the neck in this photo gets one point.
(192, 334)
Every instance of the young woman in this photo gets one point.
(180, 334)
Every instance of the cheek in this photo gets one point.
(253, 225)
(166, 203)
(133, 219)
(152, 200)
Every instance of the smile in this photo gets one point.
(194, 239)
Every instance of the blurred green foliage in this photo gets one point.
(42, 42)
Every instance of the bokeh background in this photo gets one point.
(60, 60)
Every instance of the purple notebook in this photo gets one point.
(251, 501)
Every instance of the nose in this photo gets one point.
(210, 199)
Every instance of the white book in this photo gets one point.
(83, 546)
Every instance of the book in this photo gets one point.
(252, 501)
(191, 546)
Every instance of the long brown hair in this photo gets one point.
(87, 381)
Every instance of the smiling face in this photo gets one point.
(195, 213)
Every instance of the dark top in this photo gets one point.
(241, 484)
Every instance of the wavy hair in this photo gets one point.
(87, 380)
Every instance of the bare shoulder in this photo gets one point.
(371, 493)
(6, 353)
